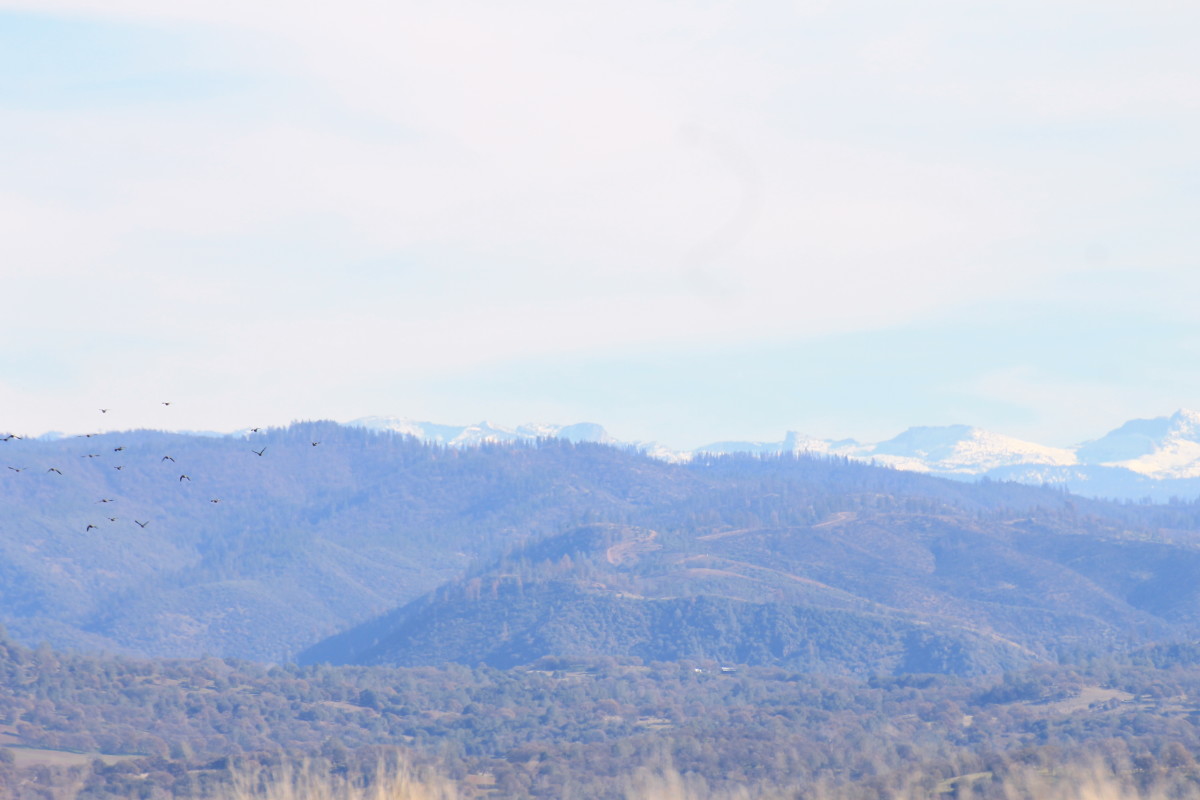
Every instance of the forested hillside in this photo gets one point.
(261, 545)
(303, 539)
(862, 592)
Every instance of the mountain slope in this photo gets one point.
(304, 539)
(858, 592)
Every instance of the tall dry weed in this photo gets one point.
(1096, 781)
(669, 784)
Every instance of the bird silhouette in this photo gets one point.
(184, 477)
(142, 524)
(214, 501)
(18, 469)
(258, 452)
(91, 455)
(89, 527)
(314, 444)
(104, 500)
(112, 519)
(120, 467)
(255, 430)
(54, 469)
(166, 402)
(104, 411)
(118, 449)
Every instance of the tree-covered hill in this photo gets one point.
(302, 541)
(319, 527)
(860, 592)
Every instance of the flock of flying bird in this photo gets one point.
(104, 500)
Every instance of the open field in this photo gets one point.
(39, 757)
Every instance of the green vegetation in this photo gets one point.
(560, 729)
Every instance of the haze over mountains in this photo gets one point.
(1157, 458)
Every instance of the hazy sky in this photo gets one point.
(687, 221)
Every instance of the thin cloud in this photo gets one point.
(434, 188)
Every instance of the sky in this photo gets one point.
(686, 221)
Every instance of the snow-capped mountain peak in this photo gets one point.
(1162, 447)
(963, 449)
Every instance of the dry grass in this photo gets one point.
(1096, 781)
(400, 781)
(391, 781)
(36, 757)
(667, 784)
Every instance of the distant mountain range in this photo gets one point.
(1157, 458)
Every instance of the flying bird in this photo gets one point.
(104, 411)
(258, 452)
(91, 455)
(142, 524)
(120, 467)
(166, 458)
(214, 501)
(314, 444)
(104, 500)
(166, 402)
(184, 477)
(18, 469)
(112, 519)
(89, 527)
(54, 469)
(118, 449)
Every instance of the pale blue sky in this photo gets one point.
(688, 221)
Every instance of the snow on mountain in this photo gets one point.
(662, 452)
(1163, 447)
(487, 433)
(755, 448)
(800, 443)
(484, 432)
(425, 431)
(793, 442)
(950, 449)
(579, 432)
(962, 449)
